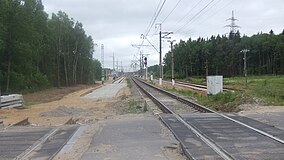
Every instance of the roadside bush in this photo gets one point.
(39, 81)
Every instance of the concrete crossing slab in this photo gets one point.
(105, 92)
(239, 141)
(16, 140)
(138, 137)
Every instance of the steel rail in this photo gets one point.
(219, 114)
(211, 144)
(162, 106)
(65, 142)
(195, 86)
(201, 85)
(121, 79)
(185, 101)
(32, 148)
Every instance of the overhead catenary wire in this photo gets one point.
(189, 11)
(155, 18)
(151, 44)
(200, 15)
(155, 13)
(151, 24)
(171, 11)
(182, 23)
(148, 28)
(152, 21)
(206, 6)
(206, 11)
(225, 6)
(214, 13)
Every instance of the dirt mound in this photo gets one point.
(62, 111)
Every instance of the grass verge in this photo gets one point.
(263, 90)
(224, 102)
(137, 107)
(129, 83)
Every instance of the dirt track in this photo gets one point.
(59, 111)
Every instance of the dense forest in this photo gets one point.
(221, 55)
(38, 52)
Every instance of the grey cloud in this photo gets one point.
(118, 24)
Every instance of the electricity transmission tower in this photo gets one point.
(232, 25)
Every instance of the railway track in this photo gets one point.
(165, 100)
(206, 134)
(20, 141)
(118, 80)
(193, 86)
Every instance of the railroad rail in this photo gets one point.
(198, 87)
(118, 80)
(182, 101)
(23, 141)
(222, 136)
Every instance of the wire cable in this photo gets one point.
(178, 30)
(171, 11)
(155, 13)
(214, 13)
(190, 10)
(154, 20)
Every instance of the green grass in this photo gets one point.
(224, 102)
(182, 92)
(137, 107)
(198, 80)
(129, 83)
(270, 89)
(267, 90)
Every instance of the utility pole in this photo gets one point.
(172, 55)
(160, 58)
(102, 61)
(141, 64)
(206, 66)
(146, 65)
(162, 35)
(245, 64)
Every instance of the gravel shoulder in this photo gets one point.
(271, 115)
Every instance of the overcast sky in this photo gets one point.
(119, 23)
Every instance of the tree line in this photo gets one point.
(38, 52)
(220, 55)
